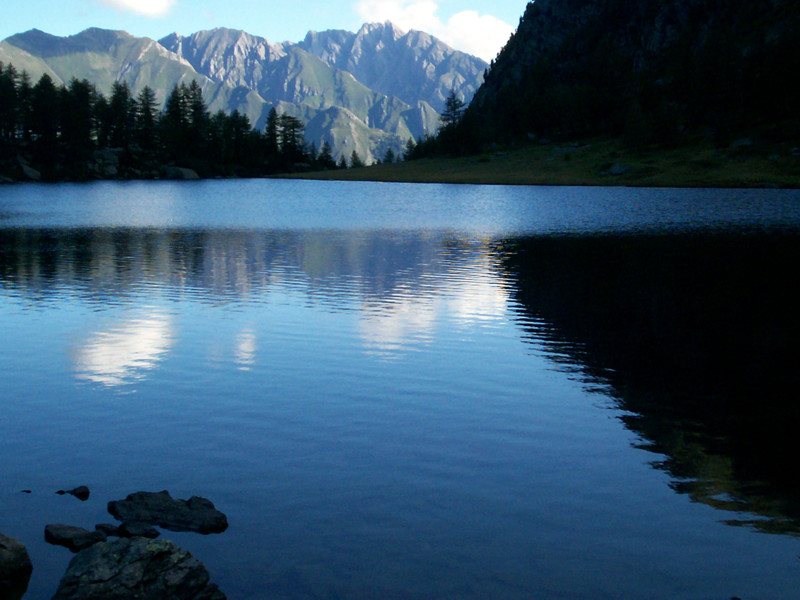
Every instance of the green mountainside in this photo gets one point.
(649, 71)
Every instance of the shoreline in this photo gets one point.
(743, 164)
(607, 163)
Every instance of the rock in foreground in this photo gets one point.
(158, 508)
(15, 568)
(73, 538)
(140, 568)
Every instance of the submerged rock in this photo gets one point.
(128, 568)
(158, 508)
(15, 568)
(73, 538)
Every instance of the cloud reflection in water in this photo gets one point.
(123, 353)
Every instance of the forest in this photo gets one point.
(74, 132)
(652, 73)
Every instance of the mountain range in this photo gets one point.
(366, 92)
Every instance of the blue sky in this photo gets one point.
(477, 26)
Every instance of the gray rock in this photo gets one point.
(138, 529)
(73, 538)
(15, 568)
(180, 173)
(123, 569)
(158, 508)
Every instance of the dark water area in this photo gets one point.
(403, 391)
(694, 335)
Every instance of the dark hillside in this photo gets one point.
(651, 71)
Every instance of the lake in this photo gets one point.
(412, 391)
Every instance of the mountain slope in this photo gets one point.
(650, 70)
(103, 57)
(411, 66)
(285, 73)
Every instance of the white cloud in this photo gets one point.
(469, 31)
(148, 8)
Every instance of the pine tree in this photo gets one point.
(355, 160)
(271, 135)
(326, 156)
(121, 115)
(146, 119)
(9, 102)
(453, 110)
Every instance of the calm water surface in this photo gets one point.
(416, 392)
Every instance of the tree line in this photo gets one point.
(59, 129)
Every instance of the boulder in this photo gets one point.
(139, 568)
(158, 508)
(179, 173)
(15, 568)
(73, 538)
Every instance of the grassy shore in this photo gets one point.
(600, 162)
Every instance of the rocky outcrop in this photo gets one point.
(73, 538)
(159, 508)
(15, 568)
(139, 568)
(413, 66)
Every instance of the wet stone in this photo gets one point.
(72, 538)
(139, 568)
(159, 508)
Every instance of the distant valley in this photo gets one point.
(366, 92)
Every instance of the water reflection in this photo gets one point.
(693, 336)
(400, 286)
(690, 335)
(123, 352)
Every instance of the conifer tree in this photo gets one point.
(355, 160)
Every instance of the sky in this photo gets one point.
(480, 27)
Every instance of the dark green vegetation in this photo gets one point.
(682, 92)
(651, 72)
(74, 132)
(602, 161)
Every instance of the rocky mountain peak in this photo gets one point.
(366, 91)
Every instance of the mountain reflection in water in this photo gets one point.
(695, 337)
